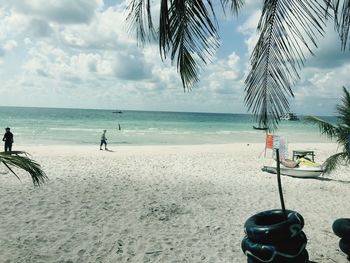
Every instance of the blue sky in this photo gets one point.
(79, 54)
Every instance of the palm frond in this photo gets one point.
(234, 5)
(343, 109)
(140, 19)
(343, 136)
(325, 127)
(187, 32)
(21, 160)
(286, 29)
(335, 160)
(344, 24)
(341, 132)
(342, 19)
(164, 29)
(332, 5)
(190, 38)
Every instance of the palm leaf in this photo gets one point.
(234, 5)
(286, 28)
(190, 37)
(140, 19)
(21, 160)
(325, 128)
(342, 19)
(343, 109)
(343, 136)
(344, 24)
(335, 160)
(187, 32)
(341, 132)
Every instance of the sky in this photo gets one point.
(80, 54)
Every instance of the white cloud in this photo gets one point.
(62, 11)
(250, 24)
(39, 28)
(106, 31)
(11, 24)
(131, 67)
(9, 45)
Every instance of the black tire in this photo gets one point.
(341, 227)
(284, 250)
(270, 227)
(302, 258)
(344, 245)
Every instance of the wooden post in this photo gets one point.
(280, 183)
(265, 143)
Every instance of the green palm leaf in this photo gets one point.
(140, 19)
(21, 160)
(344, 109)
(340, 132)
(187, 32)
(335, 160)
(234, 5)
(326, 128)
(286, 28)
(342, 19)
(190, 37)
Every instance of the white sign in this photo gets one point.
(281, 144)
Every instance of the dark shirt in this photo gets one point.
(8, 137)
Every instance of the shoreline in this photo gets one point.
(176, 139)
(130, 149)
(205, 145)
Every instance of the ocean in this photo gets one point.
(42, 126)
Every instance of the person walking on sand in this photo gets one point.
(103, 140)
(8, 139)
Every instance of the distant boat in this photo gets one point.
(289, 117)
(117, 112)
(260, 128)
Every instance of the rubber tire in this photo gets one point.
(341, 227)
(269, 227)
(302, 258)
(287, 249)
(344, 245)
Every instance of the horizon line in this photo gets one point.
(134, 110)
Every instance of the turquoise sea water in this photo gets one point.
(83, 126)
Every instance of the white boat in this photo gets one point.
(301, 172)
(289, 117)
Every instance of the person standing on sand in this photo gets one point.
(103, 140)
(8, 139)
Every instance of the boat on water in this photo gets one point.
(300, 172)
(117, 112)
(289, 117)
(260, 128)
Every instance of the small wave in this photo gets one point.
(176, 132)
(156, 131)
(73, 129)
(225, 132)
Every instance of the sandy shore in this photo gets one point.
(159, 204)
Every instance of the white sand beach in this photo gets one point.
(159, 204)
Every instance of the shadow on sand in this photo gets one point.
(327, 179)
